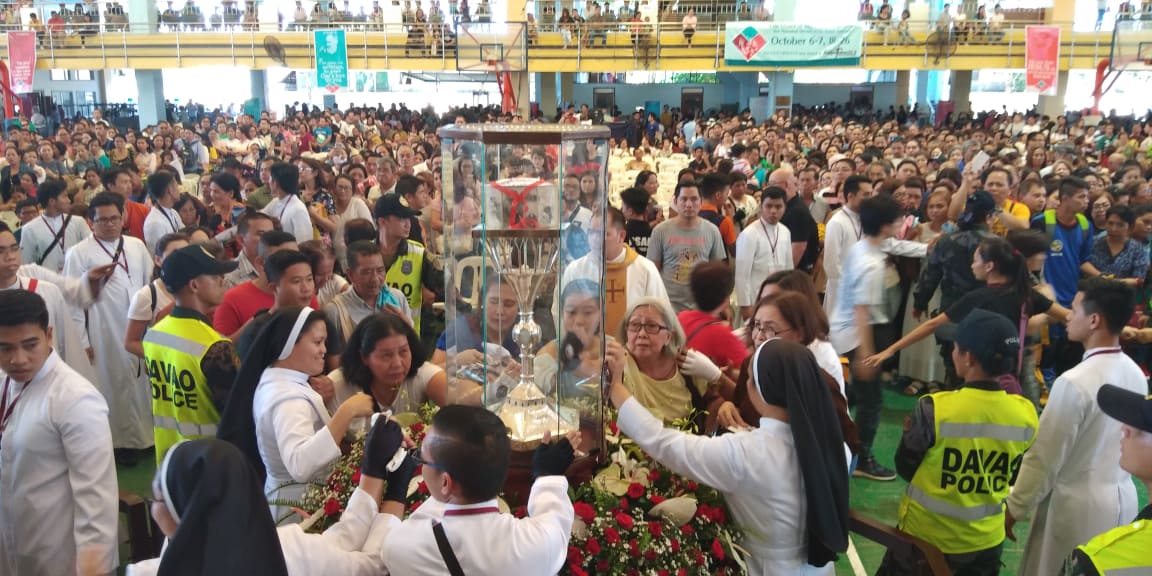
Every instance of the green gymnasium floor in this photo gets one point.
(875, 499)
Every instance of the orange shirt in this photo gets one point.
(134, 215)
(727, 228)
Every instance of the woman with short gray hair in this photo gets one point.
(669, 383)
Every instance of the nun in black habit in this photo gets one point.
(786, 482)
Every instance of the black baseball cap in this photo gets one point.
(390, 205)
(189, 263)
(1128, 407)
(988, 336)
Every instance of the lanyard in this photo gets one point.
(58, 236)
(771, 241)
(472, 511)
(163, 213)
(9, 408)
(118, 258)
(857, 228)
(1102, 352)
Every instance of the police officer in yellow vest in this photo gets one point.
(1126, 550)
(191, 366)
(961, 450)
(409, 269)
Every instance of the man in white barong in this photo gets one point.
(46, 239)
(286, 205)
(162, 218)
(465, 462)
(627, 275)
(58, 492)
(1071, 478)
(764, 247)
(66, 339)
(120, 376)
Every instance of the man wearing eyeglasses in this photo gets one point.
(119, 376)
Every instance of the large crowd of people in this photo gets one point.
(231, 297)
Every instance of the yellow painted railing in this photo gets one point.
(614, 49)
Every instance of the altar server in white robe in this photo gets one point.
(120, 376)
(465, 462)
(45, 240)
(627, 275)
(764, 247)
(210, 505)
(58, 492)
(1071, 477)
(65, 331)
(277, 419)
(785, 482)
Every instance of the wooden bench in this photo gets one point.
(144, 537)
(929, 560)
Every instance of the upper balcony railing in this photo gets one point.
(606, 47)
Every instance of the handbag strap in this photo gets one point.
(56, 239)
(446, 550)
(698, 329)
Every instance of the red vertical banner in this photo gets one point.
(21, 61)
(1041, 59)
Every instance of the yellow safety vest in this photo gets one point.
(1122, 551)
(182, 407)
(405, 275)
(955, 500)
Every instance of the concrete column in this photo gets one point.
(101, 86)
(962, 90)
(781, 90)
(546, 89)
(259, 101)
(1053, 106)
(521, 88)
(142, 16)
(150, 97)
(903, 87)
(567, 82)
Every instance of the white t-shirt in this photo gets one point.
(141, 306)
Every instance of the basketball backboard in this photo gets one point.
(491, 47)
(1132, 45)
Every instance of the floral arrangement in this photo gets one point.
(638, 517)
(634, 517)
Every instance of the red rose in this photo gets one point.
(682, 572)
(717, 549)
(699, 558)
(634, 548)
(422, 488)
(653, 475)
(624, 504)
(675, 544)
(592, 547)
(625, 521)
(337, 487)
(692, 486)
(663, 573)
(356, 477)
(611, 535)
(613, 428)
(650, 555)
(687, 530)
(331, 507)
(703, 511)
(635, 490)
(633, 572)
(603, 566)
(654, 499)
(577, 571)
(584, 511)
(721, 516)
(655, 528)
(575, 556)
(417, 428)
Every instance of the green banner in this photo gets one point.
(331, 59)
(779, 45)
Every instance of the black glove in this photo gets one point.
(396, 489)
(552, 459)
(383, 440)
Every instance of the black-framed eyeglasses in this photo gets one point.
(647, 327)
(416, 458)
